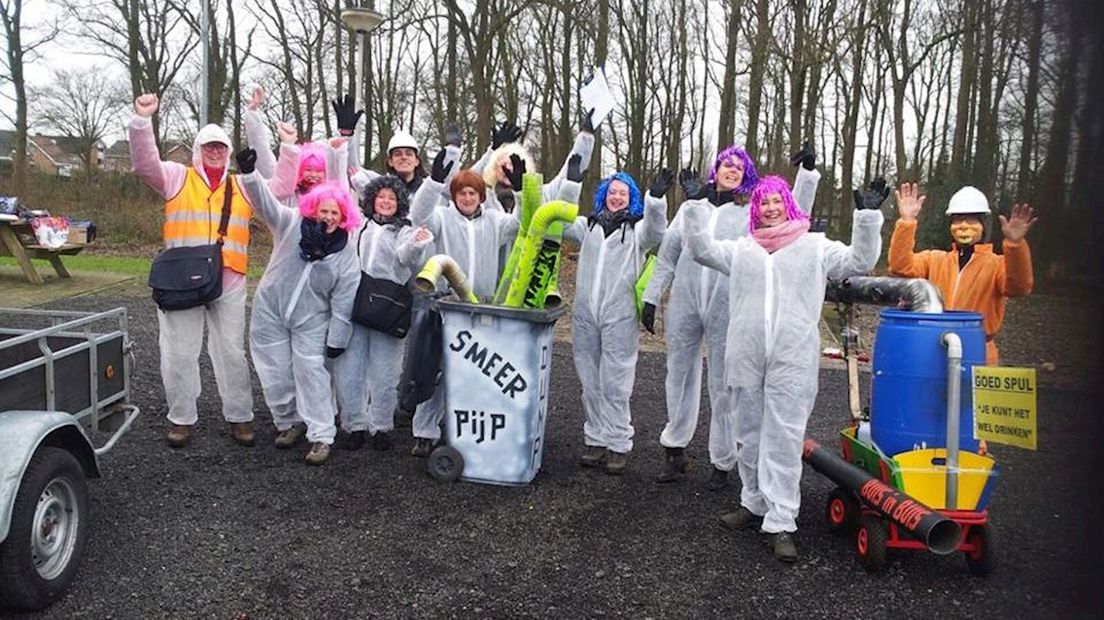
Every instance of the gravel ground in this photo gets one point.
(221, 531)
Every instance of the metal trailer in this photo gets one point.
(62, 373)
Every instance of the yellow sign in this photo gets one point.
(1004, 405)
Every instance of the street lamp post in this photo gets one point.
(361, 20)
(204, 33)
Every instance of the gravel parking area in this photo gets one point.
(220, 531)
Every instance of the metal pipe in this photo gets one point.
(914, 294)
(131, 416)
(204, 32)
(443, 264)
(954, 385)
(940, 534)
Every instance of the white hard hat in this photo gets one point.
(212, 133)
(402, 140)
(968, 200)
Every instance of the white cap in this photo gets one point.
(968, 200)
(212, 133)
(402, 140)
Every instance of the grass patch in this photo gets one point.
(128, 265)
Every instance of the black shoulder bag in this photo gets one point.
(188, 277)
(382, 305)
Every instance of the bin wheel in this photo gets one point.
(49, 522)
(870, 542)
(842, 511)
(445, 464)
(982, 560)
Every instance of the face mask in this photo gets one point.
(966, 232)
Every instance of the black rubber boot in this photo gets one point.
(381, 441)
(676, 465)
(718, 479)
(354, 440)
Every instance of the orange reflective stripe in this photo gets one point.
(192, 218)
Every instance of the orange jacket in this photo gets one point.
(983, 284)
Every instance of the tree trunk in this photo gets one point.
(967, 73)
(853, 103)
(1031, 99)
(797, 74)
(726, 124)
(758, 75)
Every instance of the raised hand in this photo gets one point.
(453, 136)
(691, 184)
(257, 99)
(647, 317)
(873, 197)
(287, 133)
(439, 172)
(575, 168)
(588, 122)
(662, 182)
(805, 157)
(146, 105)
(1016, 227)
(909, 201)
(247, 160)
(422, 235)
(347, 114)
(337, 141)
(506, 132)
(515, 171)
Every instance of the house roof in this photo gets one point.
(120, 148)
(60, 149)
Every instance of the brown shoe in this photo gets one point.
(319, 453)
(592, 456)
(740, 519)
(288, 438)
(179, 435)
(242, 433)
(616, 462)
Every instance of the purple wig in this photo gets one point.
(331, 190)
(751, 175)
(773, 185)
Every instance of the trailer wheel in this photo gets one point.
(842, 511)
(49, 521)
(445, 464)
(982, 560)
(870, 542)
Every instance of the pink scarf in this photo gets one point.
(778, 237)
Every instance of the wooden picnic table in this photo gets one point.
(12, 245)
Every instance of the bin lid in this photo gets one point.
(545, 315)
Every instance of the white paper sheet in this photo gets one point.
(595, 95)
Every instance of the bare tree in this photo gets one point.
(19, 51)
(82, 104)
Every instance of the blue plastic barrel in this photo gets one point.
(908, 406)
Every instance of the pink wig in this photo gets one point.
(311, 157)
(773, 185)
(331, 190)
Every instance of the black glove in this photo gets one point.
(662, 182)
(514, 175)
(873, 197)
(452, 135)
(647, 317)
(439, 172)
(347, 114)
(332, 352)
(691, 185)
(574, 168)
(506, 132)
(247, 160)
(805, 157)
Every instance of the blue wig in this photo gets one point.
(636, 200)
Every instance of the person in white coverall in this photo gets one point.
(777, 276)
(302, 306)
(697, 310)
(366, 377)
(194, 196)
(614, 241)
(472, 235)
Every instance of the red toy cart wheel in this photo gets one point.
(870, 542)
(979, 547)
(842, 511)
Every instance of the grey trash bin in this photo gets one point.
(497, 366)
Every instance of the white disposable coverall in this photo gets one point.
(603, 317)
(773, 348)
(367, 375)
(299, 309)
(474, 244)
(697, 312)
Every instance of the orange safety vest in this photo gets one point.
(192, 218)
(982, 286)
